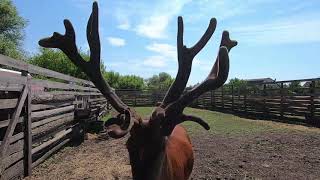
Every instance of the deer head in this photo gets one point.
(148, 136)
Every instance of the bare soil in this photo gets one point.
(277, 155)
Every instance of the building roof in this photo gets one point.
(260, 80)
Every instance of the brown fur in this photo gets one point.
(179, 155)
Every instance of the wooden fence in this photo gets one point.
(276, 99)
(40, 111)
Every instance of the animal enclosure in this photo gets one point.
(41, 111)
(275, 99)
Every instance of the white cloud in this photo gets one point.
(153, 27)
(123, 19)
(155, 24)
(125, 25)
(155, 61)
(118, 42)
(163, 49)
(164, 53)
(295, 29)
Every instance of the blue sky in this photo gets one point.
(277, 39)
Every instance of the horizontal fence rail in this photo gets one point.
(41, 111)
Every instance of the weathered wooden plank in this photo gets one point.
(21, 65)
(37, 107)
(15, 147)
(48, 154)
(8, 103)
(5, 123)
(13, 139)
(51, 112)
(12, 124)
(11, 87)
(75, 93)
(97, 99)
(49, 73)
(56, 138)
(28, 134)
(14, 80)
(52, 125)
(13, 172)
(59, 85)
(8, 61)
(16, 137)
(9, 160)
(51, 98)
(39, 139)
(50, 119)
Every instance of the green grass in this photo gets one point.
(228, 124)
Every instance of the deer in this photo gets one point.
(158, 146)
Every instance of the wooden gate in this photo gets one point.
(40, 111)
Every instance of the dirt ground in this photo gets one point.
(279, 155)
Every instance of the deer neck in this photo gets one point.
(152, 167)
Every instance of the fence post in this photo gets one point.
(264, 100)
(238, 103)
(222, 97)
(213, 101)
(312, 91)
(28, 132)
(281, 101)
(135, 98)
(232, 98)
(245, 99)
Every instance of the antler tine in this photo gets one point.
(185, 58)
(93, 36)
(67, 44)
(205, 37)
(216, 78)
(227, 42)
(219, 72)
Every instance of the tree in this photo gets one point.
(160, 82)
(130, 82)
(57, 61)
(295, 87)
(112, 78)
(236, 83)
(11, 30)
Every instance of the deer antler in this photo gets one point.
(66, 43)
(185, 58)
(173, 104)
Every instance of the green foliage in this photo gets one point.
(160, 82)
(112, 78)
(237, 83)
(295, 87)
(117, 81)
(57, 61)
(11, 30)
(131, 82)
